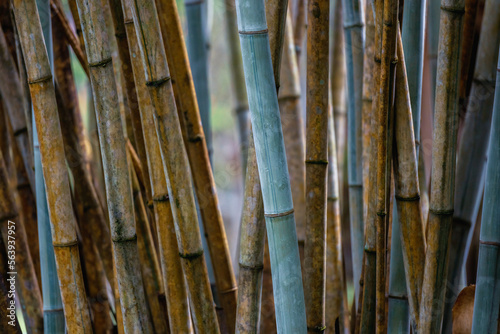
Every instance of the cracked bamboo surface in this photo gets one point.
(318, 15)
(116, 173)
(173, 278)
(443, 166)
(407, 189)
(192, 132)
(56, 177)
(175, 164)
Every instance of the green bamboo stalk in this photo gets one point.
(116, 173)
(486, 302)
(318, 15)
(173, 279)
(238, 79)
(413, 31)
(355, 43)
(51, 147)
(471, 164)
(203, 179)
(443, 167)
(273, 172)
(175, 164)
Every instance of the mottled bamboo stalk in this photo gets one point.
(472, 153)
(173, 279)
(56, 176)
(116, 173)
(443, 167)
(12, 93)
(192, 132)
(407, 189)
(318, 15)
(175, 164)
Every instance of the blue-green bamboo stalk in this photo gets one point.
(487, 298)
(471, 162)
(272, 165)
(355, 44)
(398, 320)
(413, 47)
(53, 315)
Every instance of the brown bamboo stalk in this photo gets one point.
(443, 166)
(14, 237)
(192, 131)
(175, 164)
(407, 189)
(316, 163)
(117, 178)
(267, 310)
(78, 25)
(300, 26)
(12, 93)
(276, 20)
(76, 153)
(62, 218)
(7, 295)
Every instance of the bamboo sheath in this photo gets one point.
(472, 153)
(486, 302)
(173, 277)
(116, 173)
(12, 93)
(318, 15)
(355, 43)
(175, 165)
(407, 189)
(238, 78)
(27, 284)
(273, 172)
(51, 147)
(192, 132)
(443, 167)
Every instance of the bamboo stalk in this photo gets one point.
(278, 206)
(51, 147)
(173, 279)
(175, 164)
(117, 179)
(443, 167)
(486, 302)
(192, 132)
(471, 164)
(238, 79)
(433, 22)
(300, 26)
(318, 16)
(276, 21)
(267, 310)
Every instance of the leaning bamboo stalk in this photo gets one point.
(238, 79)
(14, 237)
(56, 177)
(487, 297)
(471, 164)
(117, 179)
(407, 189)
(12, 93)
(278, 206)
(443, 166)
(300, 26)
(192, 131)
(173, 279)
(354, 41)
(318, 15)
(175, 164)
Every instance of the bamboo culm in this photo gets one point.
(273, 171)
(56, 177)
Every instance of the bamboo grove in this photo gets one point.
(359, 143)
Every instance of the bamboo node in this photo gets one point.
(288, 97)
(256, 32)
(134, 237)
(54, 310)
(398, 297)
(381, 214)
(316, 329)
(408, 199)
(21, 130)
(370, 250)
(196, 138)
(157, 83)
(102, 63)
(490, 243)
(191, 256)
(253, 268)
(65, 244)
(162, 198)
(317, 162)
(441, 212)
(42, 79)
(128, 22)
(455, 10)
(281, 214)
(192, 3)
(150, 204)
(355, 185)
(332, 198)
(354, 25)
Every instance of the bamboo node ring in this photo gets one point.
(256, 32)
(354, 25)
(490, 243)
(66, 244)
(192, 3)
(253, 268)
(317, 162)
(333, 198)
(397, 297)
(128, 22)
(102, 63)
(42, 79)
(381, 214)
(317, 329)
(408, 199)
(196, 138)
(162, 198)
(281, 214)
(456, 10)
(157, 83)
(134, 237)
(441, 212)
(21, 130)
(191, 256)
